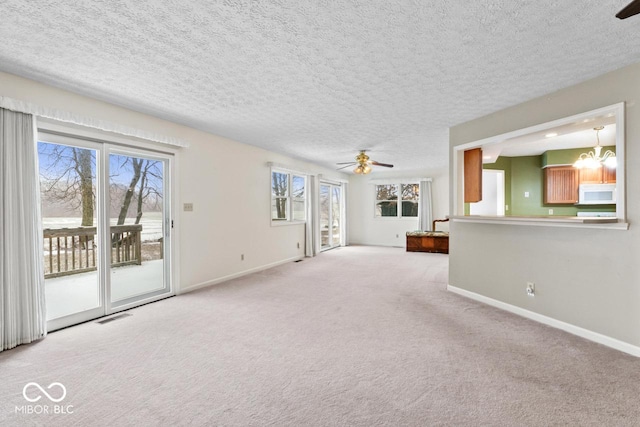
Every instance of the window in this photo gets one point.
(387, 200)
(288, 196)
(410, 193)
(298, 197)
(539, 179)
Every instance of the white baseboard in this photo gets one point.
(567, 327)
(236, 275)
(375, 245)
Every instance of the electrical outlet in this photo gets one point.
(531, 289)
(298, 245)
(188, 207)
(241, 257)
(506, 207)
(550, 211)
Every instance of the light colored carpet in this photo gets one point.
(356, 336)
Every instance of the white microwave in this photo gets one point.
(597, 194)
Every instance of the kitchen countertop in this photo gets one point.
(550, 221)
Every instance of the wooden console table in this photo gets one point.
(428, 241)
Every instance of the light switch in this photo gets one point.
(526, 194)
(188, 207)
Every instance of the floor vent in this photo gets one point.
(112, 318)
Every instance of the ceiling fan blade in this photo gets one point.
(343, 167)
(346, 163)
(386, 165)
(631, 9)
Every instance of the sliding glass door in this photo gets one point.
(70, 175)
(330, 216)
(106, 228)
(138, 215)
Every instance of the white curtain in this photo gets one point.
(343, 212)
(425, 211)
(22, 304)
(309, 229)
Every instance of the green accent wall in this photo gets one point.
(526, 175)
(568, 157)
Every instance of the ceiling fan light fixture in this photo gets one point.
(362, 169)
(363, 164)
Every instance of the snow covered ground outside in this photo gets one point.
(151, 224)
(80, 292)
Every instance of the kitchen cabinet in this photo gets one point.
(608, 175)
(473, 175)
(561, 185)
(603, 175)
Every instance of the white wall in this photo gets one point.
(366, 229)
(492, 202)
(227, 182)
(584, 277)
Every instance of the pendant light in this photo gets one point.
(593, 160)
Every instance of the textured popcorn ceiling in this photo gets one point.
(318, 80)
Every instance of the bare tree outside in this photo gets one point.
(152, 194)
(136, 189)
(68, 178)
(68, 182)
(144, 185)
(279, 192)
(84, 164)
(136, 166)
(410, 195)
(387, 200)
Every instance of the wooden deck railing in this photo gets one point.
(73, 250)
(126, 245)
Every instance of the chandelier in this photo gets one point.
(593, 160)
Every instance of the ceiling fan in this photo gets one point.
(363, 164)
(631, 9)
